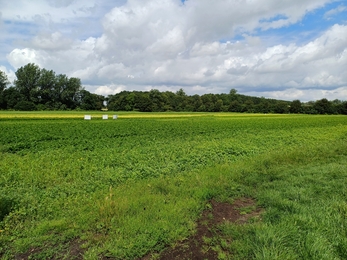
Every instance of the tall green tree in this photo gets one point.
(323, 106)
(3, 84)
(90, 101)
(143, 102)
(157, 99)
(47, 84)
(295, 107)
(69, 92)
(27, 82)
(180, 101)
(11, 97)
(196, 102)
(3, 81)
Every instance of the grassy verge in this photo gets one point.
(303, 193)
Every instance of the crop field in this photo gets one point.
(134, 187)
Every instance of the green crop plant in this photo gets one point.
(133, 186)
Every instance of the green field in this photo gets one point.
(131, 187)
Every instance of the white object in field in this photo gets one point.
(87, 117)
(104, 116)
(115, 117)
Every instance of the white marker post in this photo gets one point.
(105, 117)
(115, 117)
(87, 117)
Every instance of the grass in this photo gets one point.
(305, 206)
(132, 186)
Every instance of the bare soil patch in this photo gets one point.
(197, 246)
(73, 251)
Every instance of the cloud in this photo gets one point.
(20, 57)
(331, 13)
(55, 11)
(109, 90)
(195, 45)
(50, 41)
(10, 74)
(304, 95)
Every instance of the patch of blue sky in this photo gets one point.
(311, 26)
(308, 28)
(22, 28)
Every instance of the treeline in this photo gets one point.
(41, 89)
(156, 101)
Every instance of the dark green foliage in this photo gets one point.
(24, 105)
(155, 101)
(323, 106)
(27, 82)
(11, 97)
(6, 205)
(295, 107)
(3, 83)
(41, 89)
(90, 101)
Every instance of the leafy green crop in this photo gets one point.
(106, 182)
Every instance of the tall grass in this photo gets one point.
(303, 193)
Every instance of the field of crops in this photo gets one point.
(130, 187)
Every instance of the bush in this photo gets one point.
(6, 205)
(25, 106)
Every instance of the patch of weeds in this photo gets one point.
(7, 204)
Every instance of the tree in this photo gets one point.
(121, 101)
(27, 82)
(90, 101)
(24, 105)
(47, 85)
(68, 94)
(11, 97)
(3, 81)
(218, 105)
(157, 100)
(196, 102)
(232, 92)
(234, 106)
(180, 100)
(340, 107)
(143, 102)
(3, 84)
(281, 107)
(209, 101)
(323, 106)
(295, 107)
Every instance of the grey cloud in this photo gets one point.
(238, 70)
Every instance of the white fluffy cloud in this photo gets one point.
(10, 73)
(167, 45)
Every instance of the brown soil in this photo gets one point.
(196, 247)
(73, 251)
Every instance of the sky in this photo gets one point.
(282, 49)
